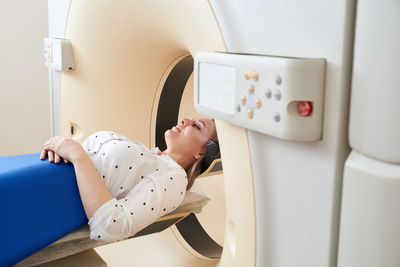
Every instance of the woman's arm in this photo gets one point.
(154, 196)
(92, 190)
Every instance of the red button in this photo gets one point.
(304, 107)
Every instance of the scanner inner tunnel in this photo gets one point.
(201, 234)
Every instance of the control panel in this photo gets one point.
(278, 96)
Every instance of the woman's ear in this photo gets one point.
(198, 155)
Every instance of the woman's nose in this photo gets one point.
(185, 121)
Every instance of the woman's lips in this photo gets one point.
(176, 129)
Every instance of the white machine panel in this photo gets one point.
(370, 214)
(58, 54)
(281, 97)
(374, 126)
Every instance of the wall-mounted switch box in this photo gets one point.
(58, 54)
(277, 96)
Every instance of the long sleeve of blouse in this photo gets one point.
(145, 185)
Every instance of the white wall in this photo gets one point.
(24, 89)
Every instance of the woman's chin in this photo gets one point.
(169, 134)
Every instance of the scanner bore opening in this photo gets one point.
(167, 116)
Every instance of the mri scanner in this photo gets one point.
(305, 97)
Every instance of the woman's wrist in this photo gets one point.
(79, 157)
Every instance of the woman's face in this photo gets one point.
(190, 136)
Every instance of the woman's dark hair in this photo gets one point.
(195, 170)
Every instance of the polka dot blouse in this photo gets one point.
(145, 185)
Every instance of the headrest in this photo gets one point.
(212, 153)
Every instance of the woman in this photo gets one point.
(123, 185)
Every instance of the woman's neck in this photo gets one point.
(179, 158)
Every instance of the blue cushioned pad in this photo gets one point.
(40, 203)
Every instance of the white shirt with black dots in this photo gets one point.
(145, 185)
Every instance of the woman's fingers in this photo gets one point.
(47, 143)
(47, 148)
(59, 148)
(50, 155)
(43, 154)
(56, 158)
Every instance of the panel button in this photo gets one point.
(278, 80)
(237, 107)
(243, 99)
(250, 89)
(251, 74)
(277, 117)
(304, 108)
(268, 93)
(250, 113)
(277, 95)
(257, 102)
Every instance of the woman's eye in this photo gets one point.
(196, 126)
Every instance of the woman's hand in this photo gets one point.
(62, 147)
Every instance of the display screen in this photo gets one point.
(217, 85)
